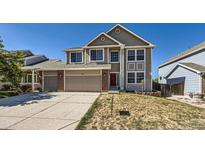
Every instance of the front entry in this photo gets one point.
(113, 80)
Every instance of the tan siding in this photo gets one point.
(99, 42)
(148, 70)
(50, 73)
(126, 38)
(115, 67)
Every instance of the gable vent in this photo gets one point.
(117, 31)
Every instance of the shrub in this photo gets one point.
(4, 94)
(26, 88)
(6, 87)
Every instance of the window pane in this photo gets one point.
(93, 54)
(99, 55)
(114, 56)
(131, 55)
(96, 55)
(140, 77)
(78, 57)
(131, 77)
(73, 57)
(29, 78)
(140, 54)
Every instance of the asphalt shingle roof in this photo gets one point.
(188, 52)
(194, 66)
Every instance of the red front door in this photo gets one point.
(113, 79)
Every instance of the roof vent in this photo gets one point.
(102, 38)
(117, 31)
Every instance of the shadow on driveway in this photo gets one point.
(25, 99)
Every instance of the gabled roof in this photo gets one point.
(189, 66)
(184, 54)
(106, 35)
(195, 67)
(130, 33)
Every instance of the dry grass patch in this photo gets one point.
(146, 112)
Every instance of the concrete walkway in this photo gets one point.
(43, 111)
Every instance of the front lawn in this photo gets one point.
(146, 112)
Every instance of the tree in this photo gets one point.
(1, 43)
(10, 68)
(155, 80)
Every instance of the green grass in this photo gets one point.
(147, 113)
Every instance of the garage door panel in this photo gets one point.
(50, 83)
(83, 83)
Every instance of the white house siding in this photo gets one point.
(197, 58)
(192, 80)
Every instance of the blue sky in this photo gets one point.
(52, 39)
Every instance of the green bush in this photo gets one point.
(6, 87)
(26, 88)
(4, 94)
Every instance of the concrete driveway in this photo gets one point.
(55, 111)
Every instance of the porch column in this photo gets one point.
(122, 55)
(33, 88)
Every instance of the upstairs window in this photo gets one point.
(96, 55)
(140, 54)
(114, 56)
(131, 55)
(76, 57)
(135, 55)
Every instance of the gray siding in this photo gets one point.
(126, 38)
(192, 80)
(197, 58)
(99, 42)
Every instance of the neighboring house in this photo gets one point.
(186, 71)
(30, 59)
(116, 59)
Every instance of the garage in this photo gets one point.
(83, 81)
(50, 81)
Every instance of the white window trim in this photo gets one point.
(96, 60)
(76, 62)
(135, 72)
(35, 77)
(128, 66)
(118, 56)
(137, 68)
(127, 77)
(135, 55)
(136, 77)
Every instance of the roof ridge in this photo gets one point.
(184, 53)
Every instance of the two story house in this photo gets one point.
(185, 72)
(116, 59)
